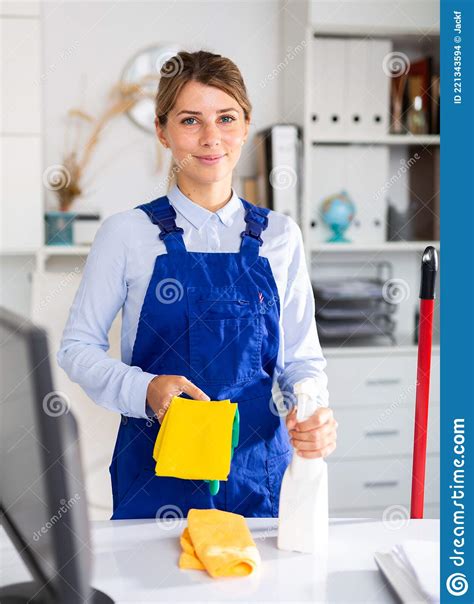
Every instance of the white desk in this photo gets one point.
(137, 561)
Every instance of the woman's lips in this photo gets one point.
(209, 161)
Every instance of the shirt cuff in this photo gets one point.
(139, 406)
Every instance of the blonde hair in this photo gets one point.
(203, 67)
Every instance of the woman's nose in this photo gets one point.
(210, 136)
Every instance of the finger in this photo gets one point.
(320, 453)
(291, 418)
(315, 436)
(322, 415)
(316, 433)
(193, 391)
(317, 444)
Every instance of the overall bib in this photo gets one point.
(213, 318)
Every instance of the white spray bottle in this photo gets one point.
(303, 518)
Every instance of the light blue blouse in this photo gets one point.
(116, 277)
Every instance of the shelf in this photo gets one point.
(23, 251)
(389, 139)
(48, 250)
(65, 250)
(388, 246)
(405, 345)
(398, 34)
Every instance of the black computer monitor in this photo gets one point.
(43, 504)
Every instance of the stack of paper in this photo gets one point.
(412, 569)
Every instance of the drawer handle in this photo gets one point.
(383, 382)
(382, 433)
(380, 483)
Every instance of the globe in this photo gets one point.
(338, 212)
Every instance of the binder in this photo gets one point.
(377, 82)
(319, 60)
(328, 176)
(355, 96)
(362, 171)
(279, 160)
(367, 175)
(328, 87)
(350, 87)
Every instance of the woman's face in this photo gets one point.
(205, 132)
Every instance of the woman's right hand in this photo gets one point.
(162, 388)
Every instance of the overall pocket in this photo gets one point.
(225, 334)
(276, 467)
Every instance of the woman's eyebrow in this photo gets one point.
(200, 113)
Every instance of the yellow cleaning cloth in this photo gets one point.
(219, 542)
(194, 440)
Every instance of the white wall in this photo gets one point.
(86, 46)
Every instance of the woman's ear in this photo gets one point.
(247, 128)
(160, 133)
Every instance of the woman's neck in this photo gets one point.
(211, 196)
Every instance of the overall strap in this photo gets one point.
(162, 213)
(256, 221)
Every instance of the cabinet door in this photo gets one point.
(20, 74)
(431, 510)
(21, 220)
(387, 380)
(369, 16)
(376, 431)
(369, 483)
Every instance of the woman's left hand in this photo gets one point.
(316, 435)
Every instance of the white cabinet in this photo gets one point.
(21, 192)
(20, 73)
(25, 8)
(337, 91)
(377, 431)
(373, 398)
(376, 15)
(378, 483)
(384, 378)
(21, 208)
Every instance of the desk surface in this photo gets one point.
(137, 561)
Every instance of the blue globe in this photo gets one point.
(338, 212)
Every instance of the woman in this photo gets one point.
(216, 304)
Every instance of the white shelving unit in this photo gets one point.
(371, 468)
(21, 199)
(389, 139)
(389, 246)
(416, 33)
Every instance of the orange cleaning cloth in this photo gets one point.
(218, 542)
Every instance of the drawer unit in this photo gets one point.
(386, 379)
(371, 483)
(379, 431)
(431, 510)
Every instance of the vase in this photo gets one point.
(59, 228)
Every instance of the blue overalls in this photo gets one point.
(213, 318)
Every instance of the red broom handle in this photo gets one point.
(429, 267)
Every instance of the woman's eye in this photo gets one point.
(230, 119)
